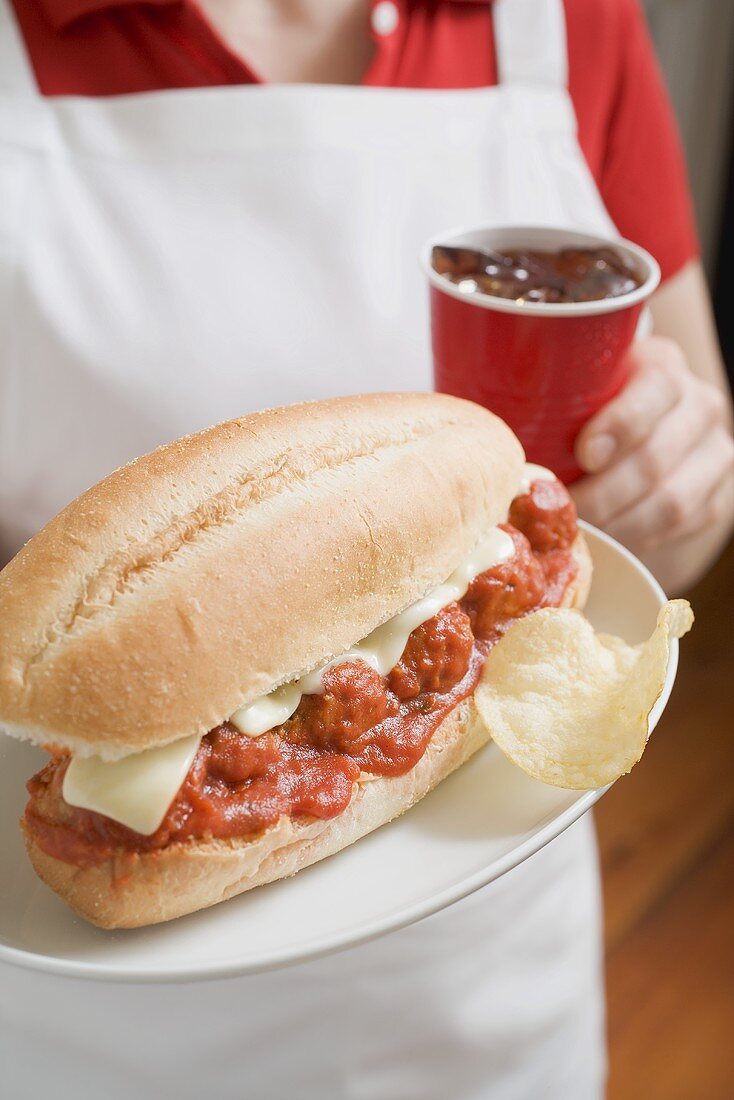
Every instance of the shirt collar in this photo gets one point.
(61, 13)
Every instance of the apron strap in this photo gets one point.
(530, 42)
(16, 73)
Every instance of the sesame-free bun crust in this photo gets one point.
(221, 565)
(186, 877)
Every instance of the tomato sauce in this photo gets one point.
(363, 722)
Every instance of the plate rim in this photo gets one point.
(371, 929)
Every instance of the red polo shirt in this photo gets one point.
(626, 127)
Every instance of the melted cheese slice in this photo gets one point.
(531, 473)
(137, 790)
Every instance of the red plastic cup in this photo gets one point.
(545, 368)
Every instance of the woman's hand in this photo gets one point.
(660, 456)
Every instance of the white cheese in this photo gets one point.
(532, 473)
(137, 790)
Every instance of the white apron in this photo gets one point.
(172, 259)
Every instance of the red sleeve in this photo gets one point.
(641, 171)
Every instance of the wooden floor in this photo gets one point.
(667, 841)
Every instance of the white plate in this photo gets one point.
(481, 822)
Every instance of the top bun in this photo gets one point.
(208, 572)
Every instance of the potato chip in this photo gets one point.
(571, 707)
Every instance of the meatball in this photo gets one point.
(436, 656)
(506, 591)
(355, 699)
(546, 516)
(228, 757)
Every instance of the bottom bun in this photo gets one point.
(182, 878)
(159, 886)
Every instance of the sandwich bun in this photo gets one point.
(184, 877)
(203, 575)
